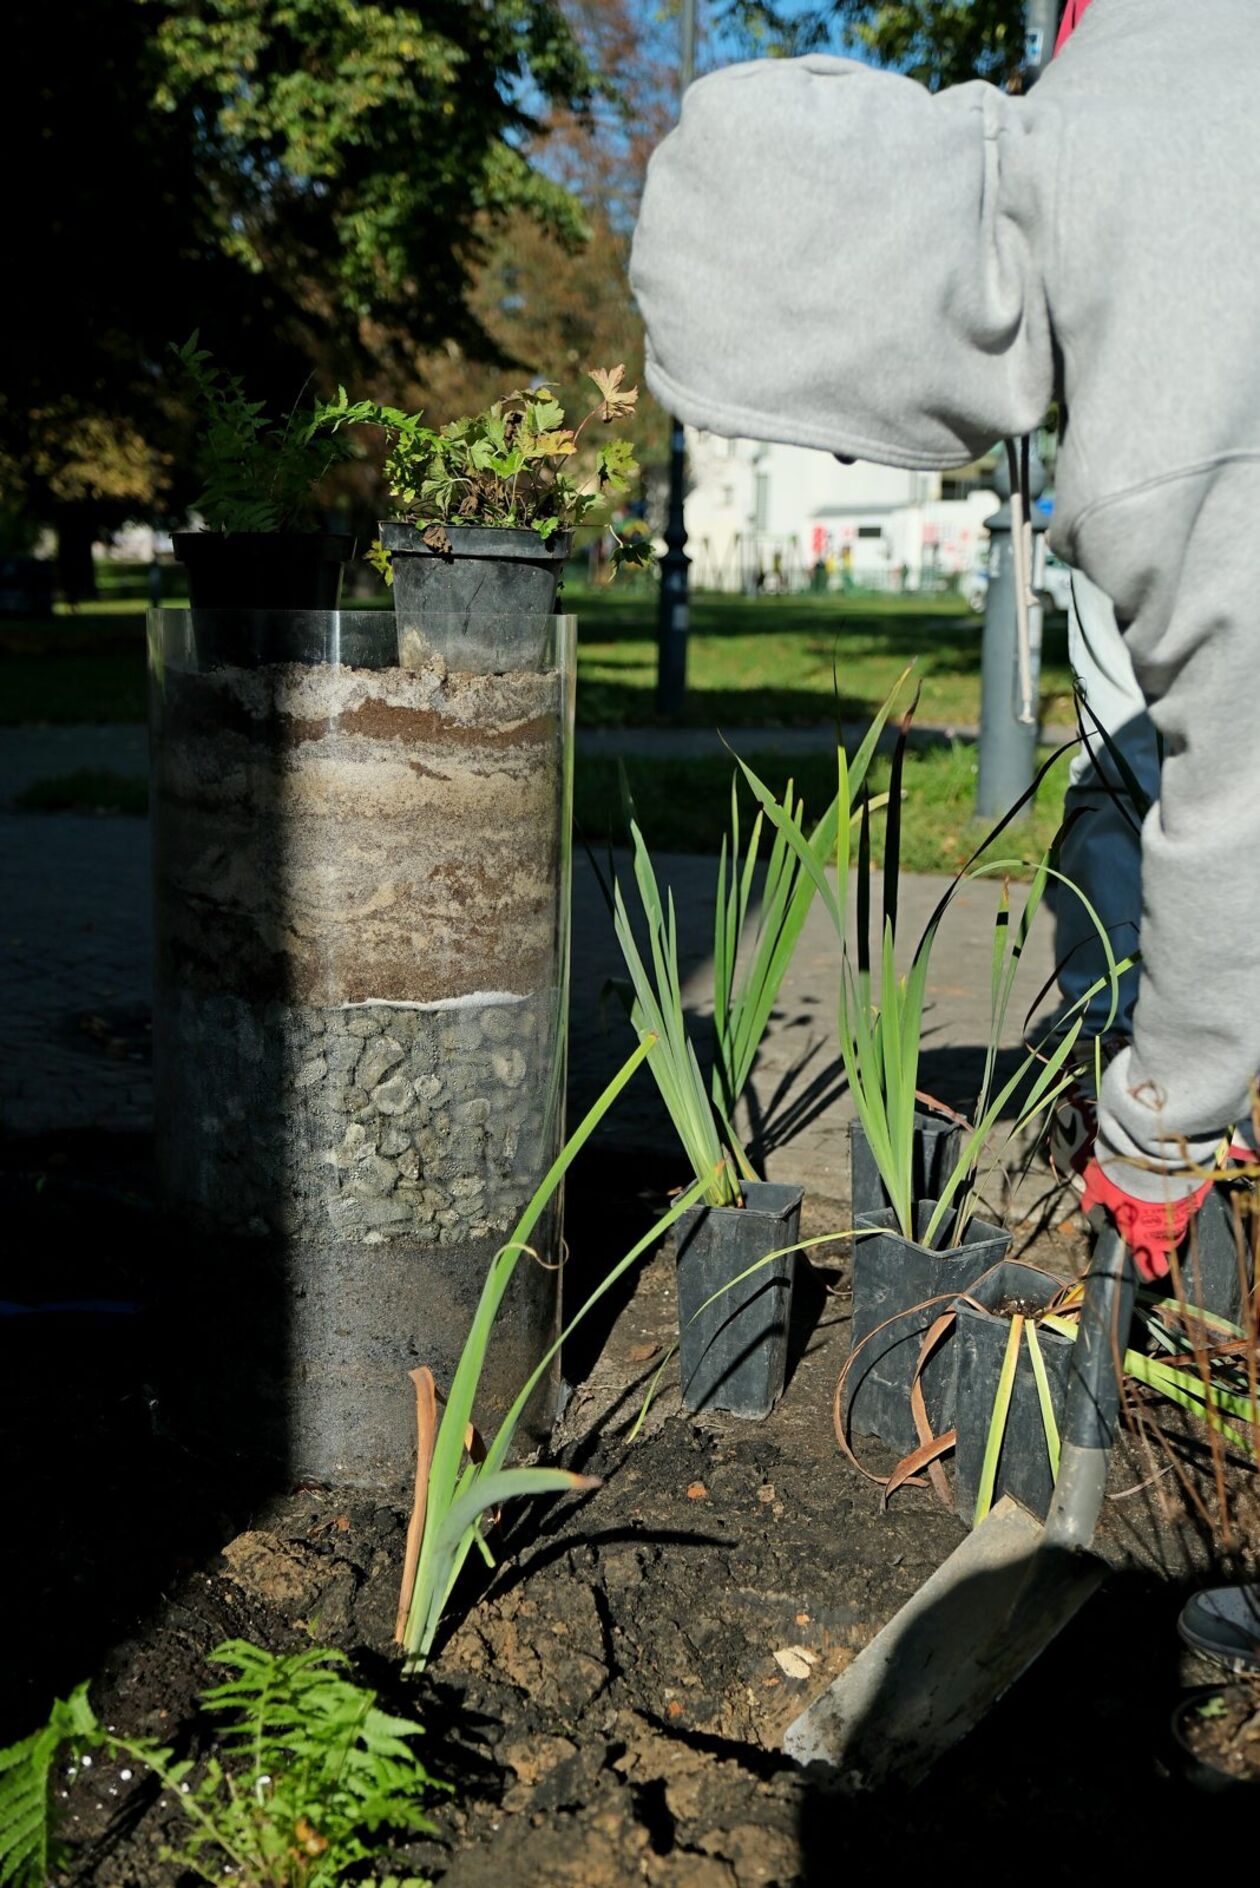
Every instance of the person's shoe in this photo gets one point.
(1223, 1623)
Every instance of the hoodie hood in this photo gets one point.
(832, 256)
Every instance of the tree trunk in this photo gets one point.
(76, 572)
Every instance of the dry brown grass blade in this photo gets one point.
(922, 1427)
(930, 1339)
(426, 1437)
(925, 1456)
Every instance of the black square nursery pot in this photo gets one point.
(895, 1283)
(734, 1353)
(453, 599)
(937, 1145)
(980, 1341)
(264, 570)
(1210, 1272)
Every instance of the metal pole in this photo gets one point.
(1041, 26)
(1007, 759)
(674, 608)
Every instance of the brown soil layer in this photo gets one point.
(332, 835)
(609, 1708)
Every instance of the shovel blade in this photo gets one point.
(939, 1664)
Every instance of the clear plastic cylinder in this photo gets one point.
(361, 871)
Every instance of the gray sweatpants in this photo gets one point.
(1188, 1076)
(1102, 846)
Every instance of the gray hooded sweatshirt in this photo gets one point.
(831, 256)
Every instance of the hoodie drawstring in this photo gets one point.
(1022, 552)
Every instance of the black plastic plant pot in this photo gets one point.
(1199, 1770)
(1211, 1276)
(894, 1284)
(734, 1351)
(264, 570)
(937, 1144)
(980, 1340)
(470, 603)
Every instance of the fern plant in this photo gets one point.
(298, 1783)
(508, 467)
(260, 474)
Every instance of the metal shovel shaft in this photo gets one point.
(969, 1632)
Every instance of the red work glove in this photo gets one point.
(1152, 1229)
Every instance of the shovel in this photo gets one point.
(970, 1631)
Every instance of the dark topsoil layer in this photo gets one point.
(609, 1708)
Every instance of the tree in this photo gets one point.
(312, 183)
(542, 307)
(938, 42)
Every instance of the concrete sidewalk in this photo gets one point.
(75, 964)
(30, 755)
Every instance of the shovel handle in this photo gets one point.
(1093, 1399)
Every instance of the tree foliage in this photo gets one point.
(347, 149)
(311, 183)
(938, 42)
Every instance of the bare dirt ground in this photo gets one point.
(609, 1706)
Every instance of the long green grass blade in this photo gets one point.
(497, 1452)
(1140, 799)
(429, 1600)
(659, 1008)
(892, 839)
(444, 1472)
(1186, 1390)
(998, 1421)
(1049, 1422)
(870, 741)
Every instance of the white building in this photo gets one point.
(768, 515)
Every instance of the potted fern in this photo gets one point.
(484, 510)
(261, 549)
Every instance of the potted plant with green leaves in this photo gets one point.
(1016, 1329)
(736, 1248)
(916, 1254)
(484, 511)
(263, 547)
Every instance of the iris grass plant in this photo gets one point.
(458, 1485)
(881, 1035)
(747, 974)
(1204, 1364)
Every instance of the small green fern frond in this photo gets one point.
(26, 1836)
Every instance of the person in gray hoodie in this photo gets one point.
(831, 256)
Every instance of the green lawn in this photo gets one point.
(794, 660)
(788, 660)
